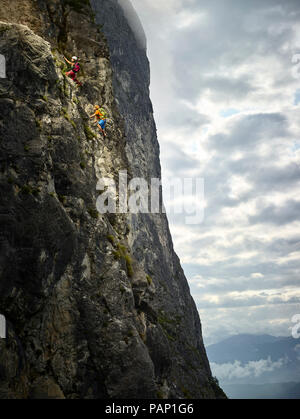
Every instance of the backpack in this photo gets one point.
(76, 68)
(103, 113)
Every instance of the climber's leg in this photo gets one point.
(101, 130)
(71, 74)
(77, 82)
(101, 126)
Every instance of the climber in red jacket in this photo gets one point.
(75, 69)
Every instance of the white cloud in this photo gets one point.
(231, 371)
(239, 186)
(257, 275)
(297, 350)
(186, 19)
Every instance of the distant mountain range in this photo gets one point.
(257, 366)
(247, 348)
(263, 391)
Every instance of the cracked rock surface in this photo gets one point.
(97, 306)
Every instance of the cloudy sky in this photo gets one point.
(226, 95)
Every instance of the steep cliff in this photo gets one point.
(97, 306)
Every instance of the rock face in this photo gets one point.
(97, 306)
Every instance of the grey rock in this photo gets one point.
(97, 306)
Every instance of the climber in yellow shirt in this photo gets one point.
(100, 118)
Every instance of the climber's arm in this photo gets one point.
(69, 62)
